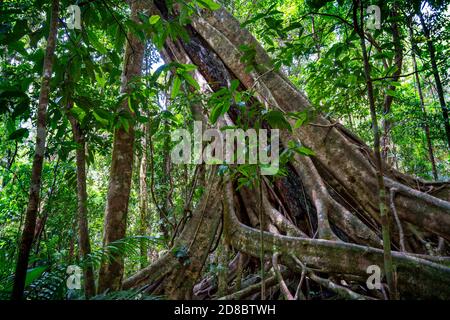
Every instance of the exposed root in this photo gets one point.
(397, 220)
(346, 221)
(414, 274)
(340, 290)
(270, 281)
(156, 270)
(283, 287)
(299, 293)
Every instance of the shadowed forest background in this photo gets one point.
(88, 189)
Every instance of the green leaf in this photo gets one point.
(101, 116)
(304, 151)
(154, 125)
(215, 114)
(292, 145)
(299, 123)
(78, 112)
(176, 84)
(154, 19)
(317, 4)
(382, 55)
(21, 108)
(395, 83)
(93, 40)
(209, 4)
(100, 79)
(293, 26)
(393, 93)
(277, 120)
(19, 134)
(159, 71)
(32, 274)
(219, 110)
(125, 124)
(301, 118)
(188, 67)
(191, 80)
(234, 85)
(254, 19)
(130, 103)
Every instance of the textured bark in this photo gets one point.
(179, 275)
(167, 203)
(195, 241)
(143, 196)
(36, 170)
(222, 276)
(45, 208)
(84, 244)
(110, 276)
(270, 281)
(198, 238)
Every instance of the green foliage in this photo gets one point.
(222, 99)
(50, 285)
(277, 120)
(32, 275)
(128, 247)
(314, 42)
(311, 41)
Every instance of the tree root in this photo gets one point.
(340, 290)
(414, 275)
(252, 289)
(283, 287)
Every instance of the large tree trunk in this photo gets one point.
(192, 247)
(333, 194)
(36, 171)
(110, 276)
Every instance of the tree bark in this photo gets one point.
(110, 275)
(143, 196)
(36, 171)
(84, 244)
